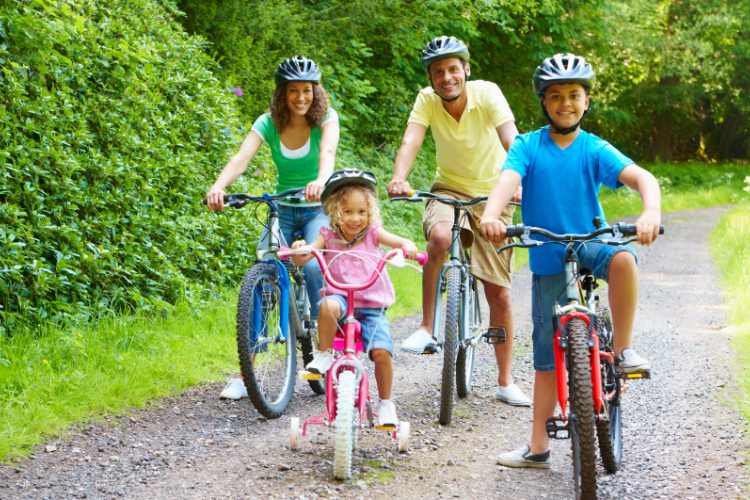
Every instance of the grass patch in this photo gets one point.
(730, 247)
(51, 378)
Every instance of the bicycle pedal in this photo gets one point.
(431, 349)
(495, 335)
(385, 427)
(632, 376)
(310, 375)
(556, 429)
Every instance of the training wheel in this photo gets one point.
(294, 433)
(403, 437)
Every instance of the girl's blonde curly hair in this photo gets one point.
(332, 205)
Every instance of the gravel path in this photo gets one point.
(680, 441)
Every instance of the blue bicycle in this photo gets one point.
(273, 316)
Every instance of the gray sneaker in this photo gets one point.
(630, 362)
(522, 457)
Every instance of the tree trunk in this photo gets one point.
(733, 120)
(660, 144)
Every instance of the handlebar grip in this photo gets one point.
(420, 258)
(630, 230)
(514, 231)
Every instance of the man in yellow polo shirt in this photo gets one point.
(473, 128)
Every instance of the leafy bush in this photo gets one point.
(113, 130)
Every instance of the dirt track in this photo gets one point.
(680, 441)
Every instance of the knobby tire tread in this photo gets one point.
(268, 405)
(609, 433)
(342, 453)
(452, 304)
(582, 404)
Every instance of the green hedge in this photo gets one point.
(114, 127)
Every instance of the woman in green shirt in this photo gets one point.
(302, 131)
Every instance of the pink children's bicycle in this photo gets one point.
(347, 386)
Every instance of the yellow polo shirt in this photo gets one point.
(469, 153)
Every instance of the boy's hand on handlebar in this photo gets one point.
(398, 189)
(215, 199)
(493, 230)
(411, 249)
(647, 226)
(313, 190)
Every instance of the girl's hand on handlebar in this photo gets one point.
(313, 190)
(298, 244)
(411, 249)
(493, 230)
(215, 199)
(647, 226)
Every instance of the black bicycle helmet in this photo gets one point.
(563, 69)
(444, 47)
(297, 69)
(348, 177)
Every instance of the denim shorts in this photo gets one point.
(547, 290)
(375, 326)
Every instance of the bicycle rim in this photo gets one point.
(583, 441)
(470, 323)
(266, 345)
(451, 326)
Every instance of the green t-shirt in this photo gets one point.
(292, 172)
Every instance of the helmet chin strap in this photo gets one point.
(563, 131)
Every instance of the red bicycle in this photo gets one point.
(347, 385)
(585, 359)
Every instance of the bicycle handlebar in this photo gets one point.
(239, 200)
(418, 196)
(284, 253)
(620, 235)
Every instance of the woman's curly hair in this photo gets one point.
(332, 205)
(279, 110)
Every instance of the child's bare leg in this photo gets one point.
(623, 298)
(383, 372)
(330, 313)
(545, 399)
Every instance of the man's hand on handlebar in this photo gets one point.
(493, 230)
(215, 199)
(647, 226)
(397, 189)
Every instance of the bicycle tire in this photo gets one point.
(465, 360)
(267, 363)
(342, 453)
(452, 304)
(582, 436)
(306, 346)
(609, 432)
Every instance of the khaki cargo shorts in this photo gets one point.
(486, 264)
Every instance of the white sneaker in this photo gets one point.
(419, 342)
(235, 389)
(512, 395)
(522, 457)
(630, 361)
(321, 363)
(387, 414)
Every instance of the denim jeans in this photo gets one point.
(309, 220)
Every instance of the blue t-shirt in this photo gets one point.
(561, 187)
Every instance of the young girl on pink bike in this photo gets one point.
(350, 201)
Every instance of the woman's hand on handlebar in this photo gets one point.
(493, 230)
(647, 226)
(398, 189)
(215, 199)
(313, 190)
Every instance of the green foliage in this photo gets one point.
(112, 132)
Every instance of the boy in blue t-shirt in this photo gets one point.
(561, 169)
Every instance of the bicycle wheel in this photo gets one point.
(266, 344)
(451, 342)
(609, 432)
(581, 411)
(342, 453)
(471, 320)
